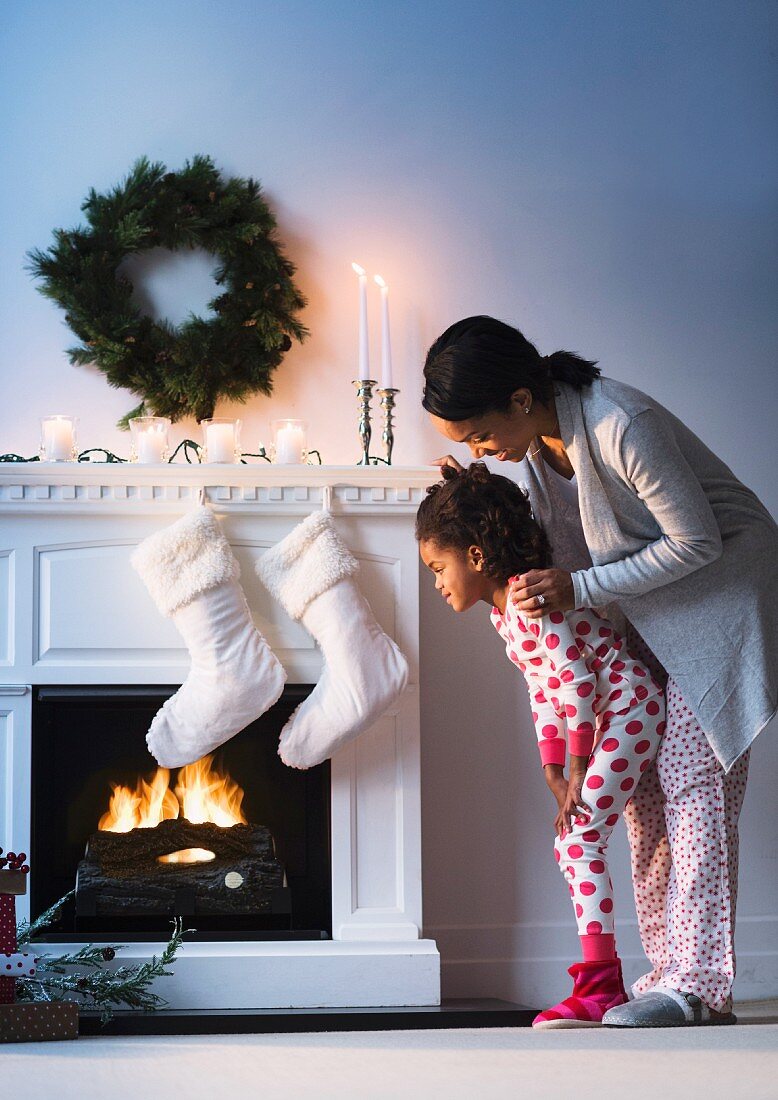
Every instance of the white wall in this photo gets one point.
(599, 174)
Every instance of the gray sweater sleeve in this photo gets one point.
(652, 462)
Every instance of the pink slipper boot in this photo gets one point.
(597, 986)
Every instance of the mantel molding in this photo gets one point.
(111, 487)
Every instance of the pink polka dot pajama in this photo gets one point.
(628, 744)
(588, 691)
(683, 835)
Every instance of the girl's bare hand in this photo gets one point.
(555, 585)
(557, 784)
(448, 460)
(573, 804)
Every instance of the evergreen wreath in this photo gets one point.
(177, 370)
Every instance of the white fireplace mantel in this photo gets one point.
(72, 610)
(261, 487)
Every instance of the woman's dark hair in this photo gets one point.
(479, 508)
(478, 363)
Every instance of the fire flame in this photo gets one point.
(201, 794)
(205, 795)
(142, 808)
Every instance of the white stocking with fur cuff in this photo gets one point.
(311, 574)
(192, 575)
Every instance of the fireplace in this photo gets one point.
(108, 822)
(81, 640)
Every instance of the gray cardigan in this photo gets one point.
(687, 552)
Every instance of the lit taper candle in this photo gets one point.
(364, 347)
(386, 342)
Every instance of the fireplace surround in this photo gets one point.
(73, 615)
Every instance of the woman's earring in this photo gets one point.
(526, 409)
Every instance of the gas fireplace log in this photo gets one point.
(121, 872)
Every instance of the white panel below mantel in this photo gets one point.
(15, 764)
(92, 609)
(7, 625)
(378, 818)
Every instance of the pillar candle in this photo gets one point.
(290, 444)
(150, 438)
(58, 438)
(221, 440)
(151, 444)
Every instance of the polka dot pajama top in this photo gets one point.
(589, 694)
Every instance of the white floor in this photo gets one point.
(594, 1064)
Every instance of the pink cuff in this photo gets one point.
(553, 751)
(580, 741)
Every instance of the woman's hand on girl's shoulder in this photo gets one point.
(554, 585)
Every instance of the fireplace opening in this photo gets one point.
(236, 843)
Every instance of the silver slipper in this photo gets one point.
(665, 1008)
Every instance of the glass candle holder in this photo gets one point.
(58, 439)
(149, 439)
(221, 440)
(289, 443)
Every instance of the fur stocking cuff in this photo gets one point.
(306, 563)
(179, 562)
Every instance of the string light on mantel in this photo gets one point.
(188, 446)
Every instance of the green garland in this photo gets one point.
(177, 370)
(92, 984)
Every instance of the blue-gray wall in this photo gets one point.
(602, 174)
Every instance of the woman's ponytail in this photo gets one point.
(565, 366)
(479, 362)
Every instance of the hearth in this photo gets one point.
(235, 843)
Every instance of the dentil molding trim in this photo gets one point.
(37, 486)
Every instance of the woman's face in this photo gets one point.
(504, 436)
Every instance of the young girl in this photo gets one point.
(589, 696)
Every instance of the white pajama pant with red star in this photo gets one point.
(625, 746)
(682, 825)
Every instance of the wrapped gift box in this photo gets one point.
(36, 1022)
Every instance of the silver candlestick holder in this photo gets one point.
(387, 404)
(364, 396)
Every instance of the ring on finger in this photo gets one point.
(540, 600)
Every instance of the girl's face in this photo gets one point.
(458, 574)
(504, 436)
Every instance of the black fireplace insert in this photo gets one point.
(136, 844)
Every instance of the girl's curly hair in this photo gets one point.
(479, 508)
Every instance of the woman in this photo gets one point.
(645, 521)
